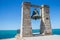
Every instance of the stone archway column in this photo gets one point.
(26, 29)
(45, 21)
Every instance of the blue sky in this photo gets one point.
(10, 14)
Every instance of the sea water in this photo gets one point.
(12, 33)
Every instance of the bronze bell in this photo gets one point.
(35, 15)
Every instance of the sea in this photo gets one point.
(11, 33)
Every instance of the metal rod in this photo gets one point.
(36, 6)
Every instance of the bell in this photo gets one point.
(35, 15)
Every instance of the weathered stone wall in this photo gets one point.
(45, 20)
(26, 29)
